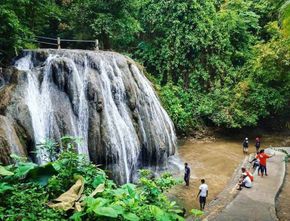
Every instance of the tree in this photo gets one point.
(21, 21)
(114, 22)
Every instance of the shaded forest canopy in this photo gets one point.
(219, 63)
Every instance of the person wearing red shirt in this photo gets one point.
(263, 161)
(248, 173)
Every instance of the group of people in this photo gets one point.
(246, 144)
(259, 163)
(246, 179)
(203, 188)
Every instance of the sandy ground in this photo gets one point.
(214, 161)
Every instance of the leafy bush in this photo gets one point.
(27, 201)
(25, 195)
(181, 106)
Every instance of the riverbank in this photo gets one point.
(212, 160)
(215, 160)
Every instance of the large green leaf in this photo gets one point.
(119, 193)
(131, 217)
(77, 216)
(24, 168)
(196, 212)
(106, 211)
(93, 204)
(4, 187)
(98, 180)
(5, 172)
(130, 188)
(158, 213)
(119, 209)
(41, 174)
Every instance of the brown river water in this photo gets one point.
(215, 161)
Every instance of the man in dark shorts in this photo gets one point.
(257, 144)
(186, 174)
(203, 193)
(246, 146)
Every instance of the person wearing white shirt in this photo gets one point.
(246, 182)
(203, 193)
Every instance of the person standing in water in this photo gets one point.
(246, 146)
(203, 193)
(258, 144)
(186, 174)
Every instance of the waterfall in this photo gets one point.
(38, 101)
(102, 97)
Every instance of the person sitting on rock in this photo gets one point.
(248, 173)
(245, 182)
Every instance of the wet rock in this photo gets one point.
(102, 97)
(9, 141)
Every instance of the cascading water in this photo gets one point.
(103, 98)
(39, 101)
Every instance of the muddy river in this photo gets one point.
(215, 161)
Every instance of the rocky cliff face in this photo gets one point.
(102, 97)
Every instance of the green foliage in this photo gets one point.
(27, 201)
(69, 164)
(143, 201)
(180, 106)
(113, 22)
(5, 187)
(20, 21)
(216, 63)
(13, 34)
(223, 64)
(5, 172)
(194, 42)
(284, 18)
(23, 168)
(41, 174)
(28, 189)
(196, 214)
(47, 150)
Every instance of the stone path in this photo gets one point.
(257, 203)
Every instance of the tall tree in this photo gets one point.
(113, 22)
